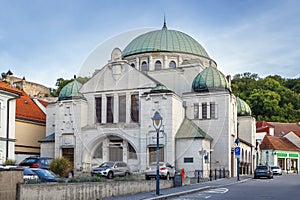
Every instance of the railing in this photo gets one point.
(201, 175)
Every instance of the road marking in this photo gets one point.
(217, 191)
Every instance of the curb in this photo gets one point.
(181, 193)
(166, 196)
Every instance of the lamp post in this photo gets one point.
(267, 158)
(237, 153)
(157, 121)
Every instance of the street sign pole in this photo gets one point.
(237, 153)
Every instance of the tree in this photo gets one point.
(271, 99)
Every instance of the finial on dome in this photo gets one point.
(165, 24)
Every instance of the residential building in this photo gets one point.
(8, 96)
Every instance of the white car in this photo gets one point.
(166, 171)
(276, 170)
(111, 169)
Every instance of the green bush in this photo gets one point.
(10, 162)
(60, 166)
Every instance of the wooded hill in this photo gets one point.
(273, 98)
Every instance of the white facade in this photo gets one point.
(113, 120)
(7, 125)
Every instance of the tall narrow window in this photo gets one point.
(145, 66)
(135, 108)
(98, 101)
(212, 110)
(158, 65)
(172, 64)
(122, 108)
(110, 109)
(196, 111)
(99, 152)
(131, 152)
(204, 110)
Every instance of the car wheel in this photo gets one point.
(127, 174)
(168, 176)
(110, 175)
(147, 178)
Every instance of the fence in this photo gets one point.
(201, 175)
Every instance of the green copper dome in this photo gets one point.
(70, 91)
(243, 108)
(164, 40)
(210, 79)
(160, 89)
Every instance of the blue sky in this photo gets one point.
(47, 40)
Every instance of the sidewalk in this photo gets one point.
(177, 191)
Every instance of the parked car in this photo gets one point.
(36, 162)
(276, 170)
(44, 175)
(263, 171)
(111, 169)
(166, 170)
(28, 174)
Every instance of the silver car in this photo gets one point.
(166, 171)
(111, 169)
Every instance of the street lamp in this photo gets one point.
(237, 152)
(157, 121)
(267, 156)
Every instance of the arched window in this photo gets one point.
(98, 152)
(172, 64)
(132, 65)
(145, 66)
(158, 65)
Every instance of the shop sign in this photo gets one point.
(293, 155)
(281, 154)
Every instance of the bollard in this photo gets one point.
(215, 174)
(182, 173)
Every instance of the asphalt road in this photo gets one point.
(285, 187)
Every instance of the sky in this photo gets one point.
(46, 40)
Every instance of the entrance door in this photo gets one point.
(68, 153)
(152, 154)
(115, 153)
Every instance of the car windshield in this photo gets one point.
(262, 167)
(44, 173)
(29, 160)
(153, 164)
(274, 167)
(28, 172)
(108, 165)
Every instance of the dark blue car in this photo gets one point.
(43, 174)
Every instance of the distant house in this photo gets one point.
(8, 96)
(30, 126)
(279, 144)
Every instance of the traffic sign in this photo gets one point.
(237, 151)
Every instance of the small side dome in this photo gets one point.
(210, 79)
(71, 91)
(243, 109)
(160, 89)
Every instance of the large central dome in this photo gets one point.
(164, 40)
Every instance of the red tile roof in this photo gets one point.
(280, 143)
(9, 88)
(44, 103)
(28, 110)
(283, 128)
(263, 124)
